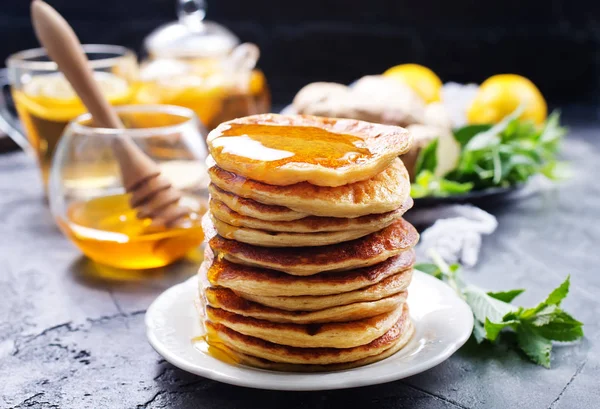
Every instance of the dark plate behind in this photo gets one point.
(485, 197)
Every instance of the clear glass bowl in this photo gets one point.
(88, 200)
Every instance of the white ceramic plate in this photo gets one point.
(442, 320)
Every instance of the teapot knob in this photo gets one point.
(191, 13)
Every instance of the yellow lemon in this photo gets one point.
(421, 79)
(52, 97)
(500, 95)
(257, 82)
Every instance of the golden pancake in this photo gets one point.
(263, 282)
(252, 208)
(302, 355)
(284, 239)
(284, 150)
(329, 335)
(303, 303)
(228, 300)
(384, 192)
(366, 251)
(311, 224)
(407, 332)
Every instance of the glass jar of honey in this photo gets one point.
(201, 65)
(89, 201)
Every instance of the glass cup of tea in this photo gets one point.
(45, 101)
(89, 202)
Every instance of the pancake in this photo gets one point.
(384, 192)
(315, 356)
(287, 149)
(252, 208)
(303, 303)
(405, 336)
(329, 335)
(229, 301)
(263, 282)
(311, 224)
(366, 251)
(284, 239)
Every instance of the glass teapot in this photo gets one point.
(201, 65)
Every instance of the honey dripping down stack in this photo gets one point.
(308, 257)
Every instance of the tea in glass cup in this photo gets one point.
(45, 101)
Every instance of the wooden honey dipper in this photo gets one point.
(151, 194)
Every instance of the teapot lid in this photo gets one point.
(191, 36)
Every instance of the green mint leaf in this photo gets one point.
(492, 329)
(513, 315)
(479, 331)
(422, 185)
(519, 131)
(430, 269)
(466, 133)
(418, 191)
(482, 141)
(556, 170)
(427, 184)
(424, 178)
(427, 159)
(553, 299)
(506, 296)
(552, 129)
(497, 166)
(508, 153)
(545, 315)
(491, 137)
(559, 293)
(563, 327)
(449, 188)
(535, 346)
(486, 307)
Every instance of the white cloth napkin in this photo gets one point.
(456, 234)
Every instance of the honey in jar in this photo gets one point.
(107, 230)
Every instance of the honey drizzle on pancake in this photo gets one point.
(279, 145)
(227, 231)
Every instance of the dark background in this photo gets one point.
(556, 43)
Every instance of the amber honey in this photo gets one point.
(107, 230)
(212, 345)
(279, 145)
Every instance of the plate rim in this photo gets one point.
(372, 379)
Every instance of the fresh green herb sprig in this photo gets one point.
(427, 184)
(500, 155)
(493, 313)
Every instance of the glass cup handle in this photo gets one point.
(9, 123)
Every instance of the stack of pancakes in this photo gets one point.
(308, 257)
